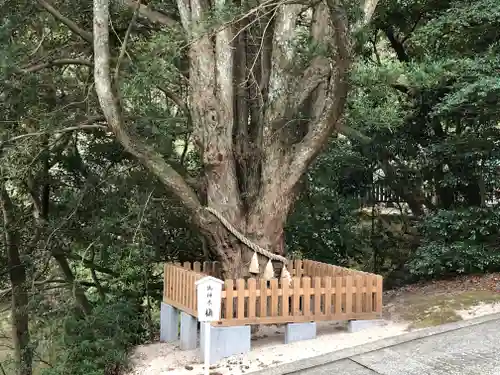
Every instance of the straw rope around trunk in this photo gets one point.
(256, 248)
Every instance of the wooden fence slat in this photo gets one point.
(359, 294)
(187, 277)
(217, 269)
(378, 296)
(306, 287)
(194, 279)
(175, 278)
(324, 270)
(298, 268)
(369, 293)
(348, 294)
(229, 299)
(304, 267)
(274, 297)
(206, 267)
(328, 295)
(189, 289)
(263, 298)
(179, 284)
(338, 295)
(240, 295)
(285, 300)
(252, 298)
(197, 266)
(184, 283)
(166, 281)
(317, 295)
(187, 265)
(174, 283)
(195, 296)
(296, 296)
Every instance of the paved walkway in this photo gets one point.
(473, 350)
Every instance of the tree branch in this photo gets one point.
(50, 64)
(60, 131)
(152, 15)
(414, 197)
(152, 160)
(70, 24)
(419, 17)
(178, 102)
(396, 45)
(123, 48)
(353, 134)
(320, 131)
(88, 263)
(368, 10)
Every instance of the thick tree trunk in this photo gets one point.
(264, 228)
(17, 271)
(245, 97)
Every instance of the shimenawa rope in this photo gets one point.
(256, 248)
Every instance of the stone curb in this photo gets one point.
(303, 364)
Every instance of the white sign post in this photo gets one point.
(209, 292)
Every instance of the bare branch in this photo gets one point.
(152, 15)
(368, 10)
(178, 102)
(123, 49)
(70, 24)
(58, 62)
(353, 133)
(60, 131)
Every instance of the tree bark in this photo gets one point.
(17, 270)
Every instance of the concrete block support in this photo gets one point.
(169, 323)
(189, 332)
(225, 341)
(299, 332)
(360, 325)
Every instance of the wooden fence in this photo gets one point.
(317, 292)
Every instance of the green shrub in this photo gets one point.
(458, 241)
(97, 344)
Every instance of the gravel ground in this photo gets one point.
(268, 348)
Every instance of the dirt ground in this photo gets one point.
(438, 302)
(412, 307)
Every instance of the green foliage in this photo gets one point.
(322, 225)
(460, 241)
(98, 344)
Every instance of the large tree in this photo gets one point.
(261, 110)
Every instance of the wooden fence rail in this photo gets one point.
(317, 292)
